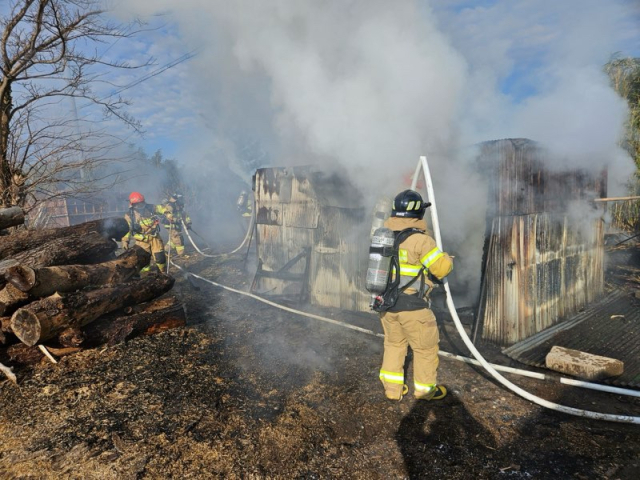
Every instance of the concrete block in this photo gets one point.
(582, 364)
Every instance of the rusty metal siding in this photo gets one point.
(538, 270)
(336, 277)
(539, 265)
(522, 182)
(299, 208)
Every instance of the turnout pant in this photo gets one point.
(415, 328)
(155, 246)
(176, 240)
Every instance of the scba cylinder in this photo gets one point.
(380, 214)
(379, 260)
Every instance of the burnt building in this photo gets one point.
(542, 253)
(544, 243)
(309, 238)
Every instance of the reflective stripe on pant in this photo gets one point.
(418, 329)
(176, 241)
(155, 247)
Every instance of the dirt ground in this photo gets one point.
(250, 391)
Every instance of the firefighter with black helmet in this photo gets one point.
(410, 322)
(174, 215)
(144, 228)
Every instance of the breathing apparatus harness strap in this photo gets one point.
(401, 236)
(151, 223)
(388, 299)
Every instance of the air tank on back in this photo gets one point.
(379, 260)
(381, 212)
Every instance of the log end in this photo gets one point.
(21, 277)
(26, 326)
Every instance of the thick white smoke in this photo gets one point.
(373, 84)
(537, 72)
(366, 84)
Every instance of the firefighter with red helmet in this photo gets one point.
(410, 322)
(144, 228)
(174, 215)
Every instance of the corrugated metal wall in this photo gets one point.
(540, 263)
(299, 208)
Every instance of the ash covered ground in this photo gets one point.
(250, 391)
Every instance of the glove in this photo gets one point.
(125, 244)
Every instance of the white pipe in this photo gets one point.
(491, 368)
(526, 373)
(542, 376)
(282, 307)
(456, 320)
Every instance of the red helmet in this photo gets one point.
(136, 197)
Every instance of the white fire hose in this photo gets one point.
(244, 241)
(488, 367)
(502, 368)
(479, 360)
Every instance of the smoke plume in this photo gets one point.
(371, 85)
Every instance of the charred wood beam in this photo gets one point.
(5, 324)
(11, 298)
(146, 319)
(10, 245)
(88, 248)
(10, 217)
(76, 249)
(25, 355)
(71, 337)
(45, 318)
(41, 282)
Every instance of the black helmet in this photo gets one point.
(409, 204)
(176, 197)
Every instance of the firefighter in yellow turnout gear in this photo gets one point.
(411, 322)
(144, 228)
(174, 214)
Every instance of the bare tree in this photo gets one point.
(48, 57)
(624, 74)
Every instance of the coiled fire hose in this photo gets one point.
(479, 360)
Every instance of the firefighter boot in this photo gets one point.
(397, 397)
(436, 392)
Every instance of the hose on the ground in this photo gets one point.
(467, 341)
(479, 360)
(526, 373)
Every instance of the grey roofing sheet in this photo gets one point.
(609, 327)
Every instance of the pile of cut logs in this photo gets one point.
(64, 289)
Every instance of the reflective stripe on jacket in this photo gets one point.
(145, 224)
(419, 250)
(173, 217)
